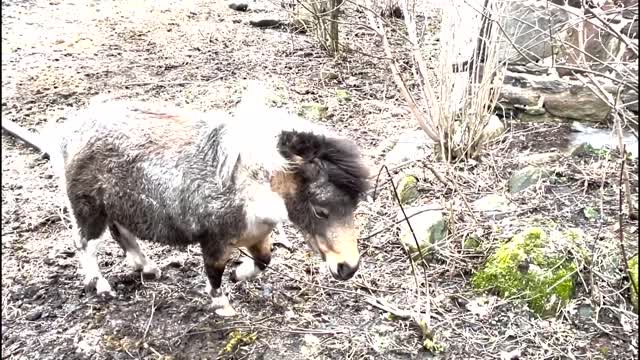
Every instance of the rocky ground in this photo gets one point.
(56, 55)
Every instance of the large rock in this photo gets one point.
(579, 103)
(528, 25)
(551, 98)
(599, 43)
(630, 9)
(535, 267)
(429, 226)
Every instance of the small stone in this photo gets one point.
(407, 189)
(343, 95)
(590, 213)
(524, 178)
(471, 243)
(239, 6)
(510, 355)
(582, 149)
(328, 75)
(534, 264)
(267, 291)
(410, 145)
(36, 315)
(266, 23)
(585, 311)
(494, 128)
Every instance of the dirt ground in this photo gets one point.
(58, 54)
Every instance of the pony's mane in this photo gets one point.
(339, 158)
(344, 166)
(249, 138)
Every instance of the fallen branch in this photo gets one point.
(32, 139)
(625, 260)
(385, 306)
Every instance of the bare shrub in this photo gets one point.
(455, 124)
(318, 17)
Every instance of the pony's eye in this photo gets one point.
(320, 212)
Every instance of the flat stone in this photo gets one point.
(524, 178)
(542, 158)
(410, 145)
(493, 203)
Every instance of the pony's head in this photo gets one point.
(321, 188)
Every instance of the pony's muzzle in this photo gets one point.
(341, 267)
(345, 271)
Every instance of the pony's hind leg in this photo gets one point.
(88, 228)
(135, 257)
(250, 267)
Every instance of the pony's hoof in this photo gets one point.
(103, 288)
(151, 271)
(226, 311)
(233, 277)
(220, 304)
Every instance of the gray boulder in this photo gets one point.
(429, 226)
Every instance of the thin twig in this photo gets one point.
(153, 310)
(621, 228)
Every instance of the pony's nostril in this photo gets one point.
(346, 271)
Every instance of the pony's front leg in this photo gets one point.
(249, 268)
(215, 261)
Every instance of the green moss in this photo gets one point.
(343, 95)
(407, 189)
(313, 111)
(238, 338)
(525, 267)
(633, 270)
(472, 242)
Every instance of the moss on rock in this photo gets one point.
(407, 189)
(313, 111)
(531, 266)
(633, 271)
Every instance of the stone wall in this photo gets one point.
(550, 41)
